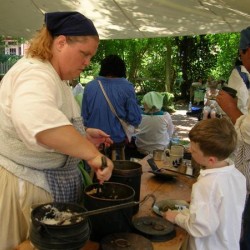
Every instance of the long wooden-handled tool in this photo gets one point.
(104, 210)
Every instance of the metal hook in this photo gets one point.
(147, 197)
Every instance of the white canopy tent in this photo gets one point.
(122, 19)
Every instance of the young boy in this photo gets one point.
(213, 219)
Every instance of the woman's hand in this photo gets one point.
(97, 137)
(103, 173)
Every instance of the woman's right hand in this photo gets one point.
(102, 173)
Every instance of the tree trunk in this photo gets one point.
(168, 65)
(185, 46)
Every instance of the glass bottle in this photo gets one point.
(190, 107)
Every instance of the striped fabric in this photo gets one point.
(242, 161)
(66, 183)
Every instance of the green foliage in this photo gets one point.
(2, 45)
(90, 73)
(168, 102)
(166, 64)
(139, 98)
(9, 58)
(195, 59)
(226, 48)
(170, 64)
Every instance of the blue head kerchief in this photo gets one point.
(245, 38)
(69, 24)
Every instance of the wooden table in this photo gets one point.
(161, 189)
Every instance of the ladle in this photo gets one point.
(106, 209)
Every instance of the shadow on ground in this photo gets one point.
(182, 122)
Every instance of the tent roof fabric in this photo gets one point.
(126, 19)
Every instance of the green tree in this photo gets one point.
(171, 64)
(225, 46)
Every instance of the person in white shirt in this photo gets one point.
(241, 122)
(241, 84)
(77, 90)
(41, 130)
(240, 75)
(213, 220)
(156, 127)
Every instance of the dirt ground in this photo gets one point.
(182, 122)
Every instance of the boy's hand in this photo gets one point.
(170, 215)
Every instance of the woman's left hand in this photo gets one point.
(97, 137)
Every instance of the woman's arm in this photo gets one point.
(67, 140)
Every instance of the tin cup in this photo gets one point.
(158, 155)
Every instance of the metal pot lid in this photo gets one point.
(125, 241)
(155, 228)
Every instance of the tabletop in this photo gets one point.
(179, 189)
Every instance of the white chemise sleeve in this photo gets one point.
(37, 106)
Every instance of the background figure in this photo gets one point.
(41, 126)
(213, 219)
(96, 110)
(240, 78)
(77, 90)
(197, 92)
(156, 127)
(210, 105)
(241, 121)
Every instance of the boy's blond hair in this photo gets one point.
(216, 137)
